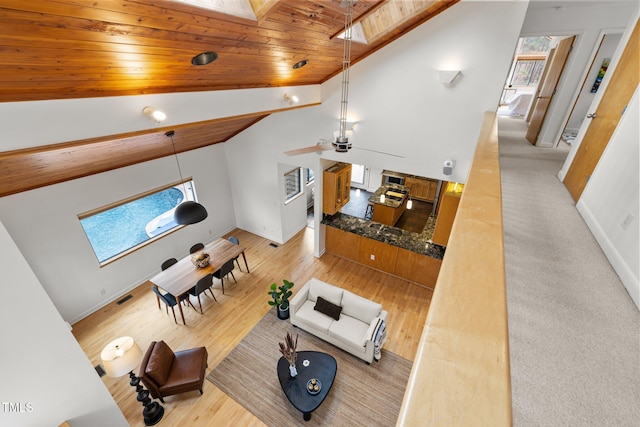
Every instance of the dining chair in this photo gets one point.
(168, 263)
(169, 300)
(197, 247)
(225, 270)
(235, 240)
(201, 286)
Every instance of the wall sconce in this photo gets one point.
(291, 99)
(155, 115)
(448, 76)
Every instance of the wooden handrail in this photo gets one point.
(461, 374)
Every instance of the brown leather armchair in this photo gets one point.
(166, 373)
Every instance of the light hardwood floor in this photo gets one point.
(227, 321)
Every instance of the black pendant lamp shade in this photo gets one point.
(188, 212)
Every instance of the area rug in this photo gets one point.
(362, 395)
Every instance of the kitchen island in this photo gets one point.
(395, 251)
(389, 210)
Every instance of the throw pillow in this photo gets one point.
(328, 308)
(159, 363)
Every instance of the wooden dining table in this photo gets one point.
(182, 276)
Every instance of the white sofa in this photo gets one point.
(360, 323)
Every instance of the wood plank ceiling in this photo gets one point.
(77, 49)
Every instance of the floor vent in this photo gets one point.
(273, 244)
(125, 299)
(100, 370)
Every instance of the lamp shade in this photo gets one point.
(121, 356)
(189, 212)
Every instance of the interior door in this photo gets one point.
(604, 120)
(550, 56)
(548, 88)
(359, 176)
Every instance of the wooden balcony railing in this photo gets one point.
(461, 375)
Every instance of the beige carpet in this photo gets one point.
(574, 332)
(362, 395)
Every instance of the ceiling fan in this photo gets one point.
(323, 145)
(341, 142)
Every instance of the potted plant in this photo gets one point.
(288, 350)
(280, 295)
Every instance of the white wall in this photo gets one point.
(585, 98)
(29, 124)
(400, 106)
(44, 224)
(611, 195)
(587, 20)
(46, 377)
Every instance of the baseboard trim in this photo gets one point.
(628, 279)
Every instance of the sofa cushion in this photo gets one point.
(159, 363)
(331, 293)
(325, 307)
(308, 317)
(370, 331)
(349, 331)
(361, 308)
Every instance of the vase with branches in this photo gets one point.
(288, 350)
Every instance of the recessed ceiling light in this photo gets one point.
(204, 58)
(300, 64)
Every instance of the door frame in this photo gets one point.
(600, 129)
(615, 59)
(583, 79)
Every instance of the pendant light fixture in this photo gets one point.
(342, 144)
(187, 212)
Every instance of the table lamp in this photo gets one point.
(120, 357)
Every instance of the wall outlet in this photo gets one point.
(103, 291)
(626, 222)
(373, 257)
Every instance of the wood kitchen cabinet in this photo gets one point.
(342, 243)
(381, 256)
(388, 215)
(421, 188)
(336, 186)
(378, 255)
(447, 209)
(417, 268)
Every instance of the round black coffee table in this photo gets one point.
(310, 364)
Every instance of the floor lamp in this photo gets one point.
(121, 356)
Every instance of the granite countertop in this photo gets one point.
(415, 242)
(390, 201)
